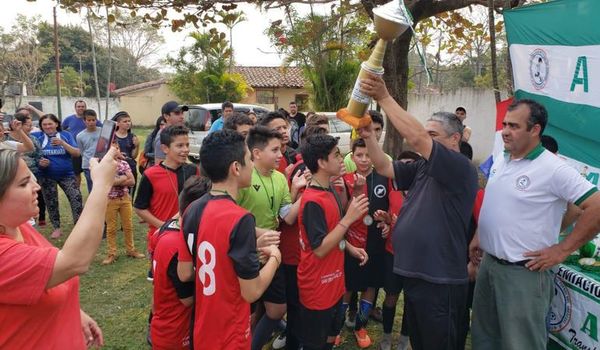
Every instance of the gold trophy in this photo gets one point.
(390, 22)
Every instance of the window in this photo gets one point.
(265, 97)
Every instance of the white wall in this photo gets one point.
(481, 114)
(49, 105)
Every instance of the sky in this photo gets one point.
(250, 44)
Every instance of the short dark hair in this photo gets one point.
(220, 149)
(236, 120)
(462, 109)
(293, 103)
(119, 115)
(269, 117)
(317, 147)
(549, 143)
(466, 149)
(317, 119)
(51, 117)
(260, 136)
(168, 134)
(79, 101)
(358, 143)
(311, 130)
(90, 113)
(376, 117)
(193, 188)
(226, 104)
(409, 155)
(537, 113)
(22, 117)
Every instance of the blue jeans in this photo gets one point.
(88, 179)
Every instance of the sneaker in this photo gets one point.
(279, 342)
(338, 340)
(350, 320)
(150, 276)
(136, 255)
(109, 260)
(386, 342)
(403, 342)
(56, 234)
(376, 314)
(362, 338)
(42, 223)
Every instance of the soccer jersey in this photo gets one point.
(61, 164)
(265, 197)
(225, 249)
(289, 157)
(31, 316)
(396, 199)
(159, 190)
(170, 327)
(289, 244)
(320, 280)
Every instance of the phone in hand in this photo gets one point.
(107, 136)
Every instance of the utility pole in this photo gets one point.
(57, 66)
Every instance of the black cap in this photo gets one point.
(172, 106)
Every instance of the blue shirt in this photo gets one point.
(74, 125)
(61, 164)
(217, 125)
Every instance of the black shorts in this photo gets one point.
(356, 279)
(393, 282)
(77, 169)
(275, 293)
(317, 325)
(375, 270)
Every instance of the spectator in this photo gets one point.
(149, 144)
(15, 138)
(461, 113)
(240, 123)
(86, 141)
(319, 120)
(378, 125)
(173, 114)
(252, 116)
(549, 143)
(278, 122)
(226, 112)
(129, 144)
(39, 303)
(56, 168)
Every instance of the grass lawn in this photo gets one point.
(118, 296)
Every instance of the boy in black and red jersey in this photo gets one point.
(219, 240)
(172, 297)
(322, 230)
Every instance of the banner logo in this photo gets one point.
(538, 68)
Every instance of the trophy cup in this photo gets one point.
(390, 22)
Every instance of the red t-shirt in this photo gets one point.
(31, 316)
(320, 280)
(290, 234)
(226, 250)
(171, 319)
(396, 200)
(357, 232)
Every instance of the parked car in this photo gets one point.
(199, 118)
(342, 131)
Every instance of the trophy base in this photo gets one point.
(356, 122)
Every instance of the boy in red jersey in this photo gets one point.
(322, 230)
(220, 242)
(173, 298)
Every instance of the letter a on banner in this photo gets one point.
(590, 326)
(577, 80)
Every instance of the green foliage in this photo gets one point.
(201, 71)
(328, 48)
(72, 84)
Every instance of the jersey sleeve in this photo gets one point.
(24, 271)
(144, 194)
(315, 224)
(569, 185)
(183, 289)
(242, 248)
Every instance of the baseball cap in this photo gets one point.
(172, 106)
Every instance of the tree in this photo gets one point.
(201, 71)
(230, 20)
(72, 83)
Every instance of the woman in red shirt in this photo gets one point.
(39, 287)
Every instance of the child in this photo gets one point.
(366, 234)
(378, 125)
(128, 143)
(119, 203)
(322, 230)
(173, 298)
(219, 247)
(239, 122)
(278, 122)
(268, 199)
(86, 141)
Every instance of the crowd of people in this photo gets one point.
(278, 233)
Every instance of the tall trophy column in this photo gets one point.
(390, 22)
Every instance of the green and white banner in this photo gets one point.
(555, 52)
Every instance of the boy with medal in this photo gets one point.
(365, 234)
(268, 199)
(322, 230)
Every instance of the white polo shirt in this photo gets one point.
(524, 203)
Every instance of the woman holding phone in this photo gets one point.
(39, 303)
(56, 169)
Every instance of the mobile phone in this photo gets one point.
(6, 121)
(107, 135)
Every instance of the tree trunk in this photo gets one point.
(492, 28)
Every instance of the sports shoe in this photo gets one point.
(350, 319)
(362, 338)
(386, 342)
(279, 342)
(56, 234)
(135, 254)
(403, 342)
(150, 276)
(109, 260)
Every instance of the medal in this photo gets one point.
(342, 244)
(368, 220)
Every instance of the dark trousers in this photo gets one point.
(435, 314)
(293, 306)
(41, 206)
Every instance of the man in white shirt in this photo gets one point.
(525, 198)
